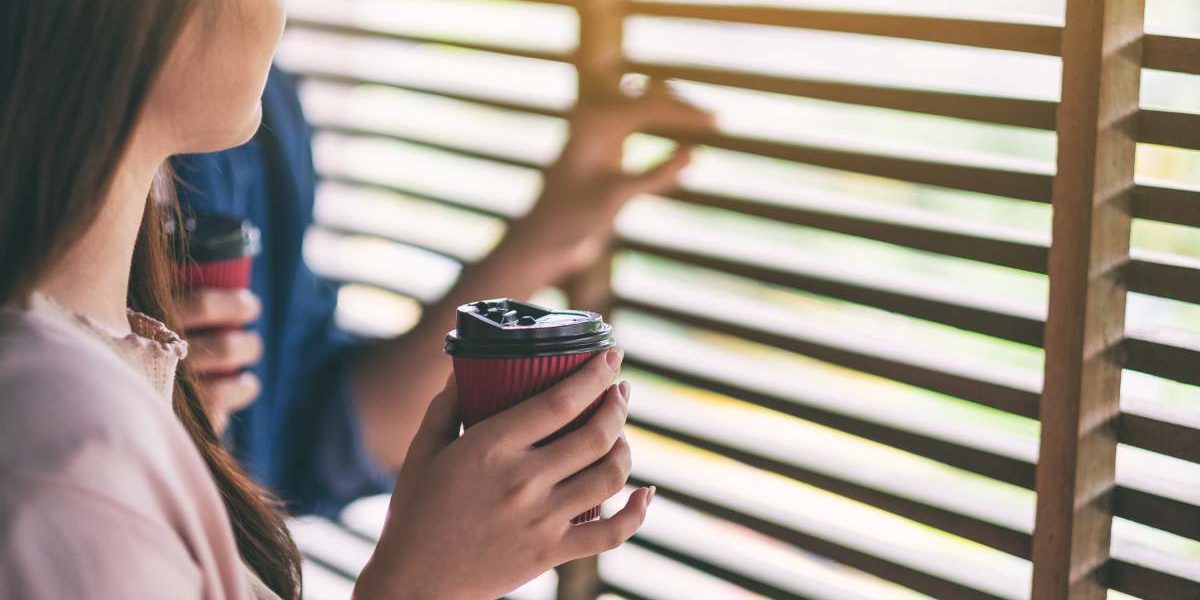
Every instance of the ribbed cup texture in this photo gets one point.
(487, 386)
(226, 274)
(231, 274)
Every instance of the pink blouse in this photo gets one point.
(102, 493)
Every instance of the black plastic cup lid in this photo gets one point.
(212, 237)
(505, 328)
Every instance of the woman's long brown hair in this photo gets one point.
(74, 76)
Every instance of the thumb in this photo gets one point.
(660, 178)
(439, 427)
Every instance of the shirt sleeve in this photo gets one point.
(57, 541)
(327, 464)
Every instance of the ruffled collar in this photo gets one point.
(151, 348)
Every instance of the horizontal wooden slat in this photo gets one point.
(1154, 200)
(991, 464)
(1158, 201)
(507, 103)
(368, 235)
(1156, 555)
(867, 289)
(622, 591)
(381, 263)
(1021, 37)
(904, 227)
(742, 558)
(1167, 514)
(989, 534)
(1150, 276)
(1161, 436)
(985, 176)
(356, 131)
(1172, 53)
(1168, 128)
(1178, 360)
(497, 190)
(903, 575)
(1148, 584)
(359, 182)
(878, 359)
(1158, 565)
(714, 569)
(1167, 202)
(1175, 278)
(1146, 353)
(341, 279)
(1037, 114)
(1178, 129)
(346, 279)
(396, 36)
(1137, 505)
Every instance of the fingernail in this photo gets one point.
(613, 358)
(650, 496)
(252, 301)
(624, 386)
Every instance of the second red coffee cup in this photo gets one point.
(219, 252)
(506, 351)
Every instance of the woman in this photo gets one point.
(112, 481)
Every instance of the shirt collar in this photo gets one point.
(151, 349)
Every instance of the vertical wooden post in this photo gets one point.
(1101, 49)
(600, 64)
(601, 56)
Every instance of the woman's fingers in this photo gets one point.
(214, 307)
(596, 483)
(233, 393)
(658, 179)
(439, 427)
(604, 535)
(588, 444)
(227, 395)
(601, 125)
(224, 351)
(536, 418)
(662, 109)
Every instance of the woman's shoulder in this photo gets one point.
(54, 376)
(70, 407)
(86, 441)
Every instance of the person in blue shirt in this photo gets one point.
(322, 418)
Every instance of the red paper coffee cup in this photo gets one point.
(506, 351)
(217, 251)
(231, 274)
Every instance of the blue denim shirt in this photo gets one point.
(300, 438)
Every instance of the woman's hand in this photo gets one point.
(587, 186)
(478, 516)
(213, 321)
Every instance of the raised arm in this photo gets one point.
(567, 229)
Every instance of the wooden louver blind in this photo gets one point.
(838, 323)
